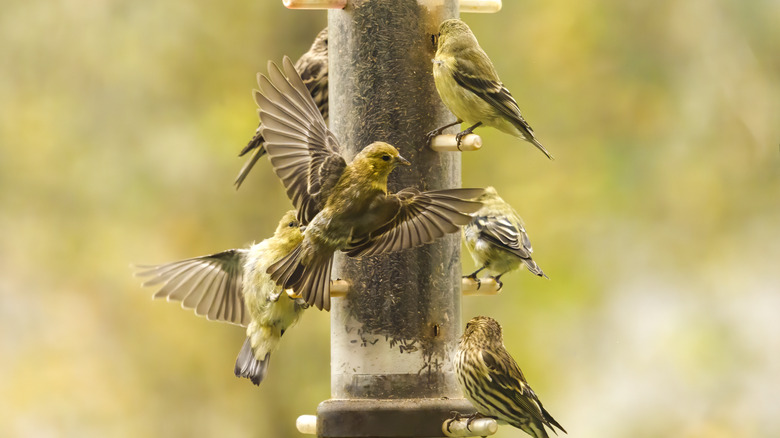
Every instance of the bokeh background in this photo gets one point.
(657, 222)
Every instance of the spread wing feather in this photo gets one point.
(421, 218)
(303, 151)
(211, 285)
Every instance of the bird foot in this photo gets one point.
(456, 416)
(429, 136)
(474, 277)
(499, 283)
(472, 417)
(459, 137)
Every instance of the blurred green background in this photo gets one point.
(657, 222)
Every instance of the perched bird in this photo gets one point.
(497, 239)
(469, 86)
(493, 382)
(313, 68)
(343, 206)
(232, 286)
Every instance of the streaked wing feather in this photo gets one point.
(504, 372)
(490, 89)
(504, 234)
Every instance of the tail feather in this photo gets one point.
(534, 268)
(247, 365)
(312, 282)
(551, 422)
(538, 145)
(257, 144)
(314, 285)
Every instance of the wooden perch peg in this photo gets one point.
(314, 4)
(483, 6)
(338, 288)
(307, 424)
(448, 143)
(485, 286)
(461, 427)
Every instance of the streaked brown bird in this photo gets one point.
(496, 238)
(493, 382)
(469, 86)
(232, 286)
(313, 68)
(343, 206)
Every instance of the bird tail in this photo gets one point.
(534, 268)
(550, 421)
(247, 365)
(311, 282)
(538, 145)
(257, 144)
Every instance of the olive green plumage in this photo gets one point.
(493, 382)
(496, 238)
(313, 68)
(232, 286)
(469, 86)
(344, 206)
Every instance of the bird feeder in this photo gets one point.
(396, 323)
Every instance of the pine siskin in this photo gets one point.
(344, 206)
(469, 86)
(232, 286)
(496, 238)
(313, 68)
(493, 382)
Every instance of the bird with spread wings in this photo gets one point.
(343, 206)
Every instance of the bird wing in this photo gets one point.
(504, 233)
(212, 285)
(420, 218)
(313, 68)
(477, 74)
(314, 74)
(303, 151)
(507, 377)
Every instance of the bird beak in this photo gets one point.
(401, 160)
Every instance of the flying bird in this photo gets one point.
(232, 286)
(344, 206)
(469, 86)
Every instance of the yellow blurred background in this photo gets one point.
(657, 222)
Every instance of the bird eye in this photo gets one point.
(291, 224)
(386, 157)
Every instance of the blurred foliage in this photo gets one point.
(657, 222)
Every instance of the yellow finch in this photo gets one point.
(496, 238)
(344, 206)
(313, 68)
(232, 286)
(469, 86)
(493, 382)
